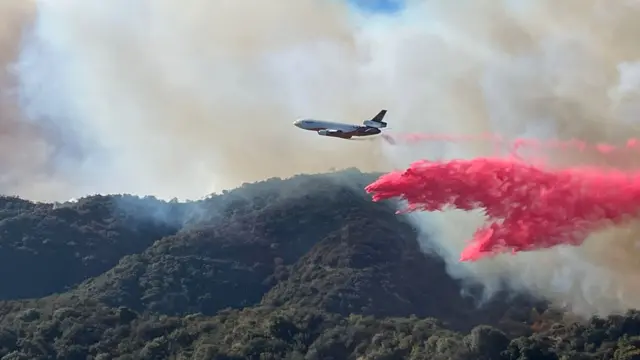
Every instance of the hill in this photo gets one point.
(302, 268)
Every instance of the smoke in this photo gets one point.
(183, 98)
(24, 147)
(537, 69)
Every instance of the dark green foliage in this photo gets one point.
(305, 268)
(45, 248)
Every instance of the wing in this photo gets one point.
(335, 133)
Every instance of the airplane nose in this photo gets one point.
(297, 123)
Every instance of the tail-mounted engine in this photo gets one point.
(375, 124)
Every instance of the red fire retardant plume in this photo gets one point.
(527, 208)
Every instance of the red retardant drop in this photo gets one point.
(527, 208)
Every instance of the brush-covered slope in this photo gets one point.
(45, 248)
(303, 268)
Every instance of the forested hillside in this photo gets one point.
(303, 268)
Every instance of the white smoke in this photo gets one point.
(541, 70)
(182, 98)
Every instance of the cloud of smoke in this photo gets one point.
(182, 98)
(538, 69)
(24, 147)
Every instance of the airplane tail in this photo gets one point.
(376, 121)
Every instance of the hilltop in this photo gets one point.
(302, 268)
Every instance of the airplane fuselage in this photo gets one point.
(341, 130)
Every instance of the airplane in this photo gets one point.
(344, 131)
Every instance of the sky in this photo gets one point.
(381, 6)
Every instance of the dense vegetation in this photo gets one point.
(303, 268)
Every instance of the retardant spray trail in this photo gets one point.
(527, 207)
(512, 146)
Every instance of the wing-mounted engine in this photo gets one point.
(325, 132)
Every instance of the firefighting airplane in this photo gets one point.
(344, 131)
